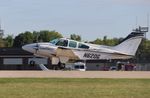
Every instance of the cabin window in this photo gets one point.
(72, 44)
(83, 46)
(62, 43)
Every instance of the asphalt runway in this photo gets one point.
(75, 74)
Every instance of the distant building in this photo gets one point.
(16, 58)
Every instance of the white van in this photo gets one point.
(80, 66)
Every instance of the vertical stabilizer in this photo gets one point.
(131, 43)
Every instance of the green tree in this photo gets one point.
(46, 36)
(18, 41)
(36, 36)
(29, 37)
(105, 40)
(2, 43)
(97, 41)
(75, 37)
(9, 41)
(23, 38)
(143, 52)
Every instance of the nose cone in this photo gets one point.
(29, 48)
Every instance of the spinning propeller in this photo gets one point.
(36, 47)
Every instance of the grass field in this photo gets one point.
(74, 88)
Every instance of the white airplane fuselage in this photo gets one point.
(95, 53)
(64, 49)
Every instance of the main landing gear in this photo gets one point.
(59, 66)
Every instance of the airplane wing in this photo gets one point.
(66, 52)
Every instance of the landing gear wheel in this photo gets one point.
(61, 65)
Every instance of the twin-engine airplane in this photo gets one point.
(63, 49)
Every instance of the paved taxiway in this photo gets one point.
(75, 74)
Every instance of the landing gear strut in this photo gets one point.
(59, 66)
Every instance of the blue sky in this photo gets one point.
(89, 18)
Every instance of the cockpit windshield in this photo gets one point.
(60, 42)
(54, 41)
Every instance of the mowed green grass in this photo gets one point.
(74, 88)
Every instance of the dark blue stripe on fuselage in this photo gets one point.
(133, 34)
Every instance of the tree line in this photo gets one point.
(27, 37)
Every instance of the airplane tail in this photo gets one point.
(131, 43)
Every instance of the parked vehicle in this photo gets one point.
(80, 66)
(113, 68)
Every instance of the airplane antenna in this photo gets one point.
(1, 31)
(148, 21)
